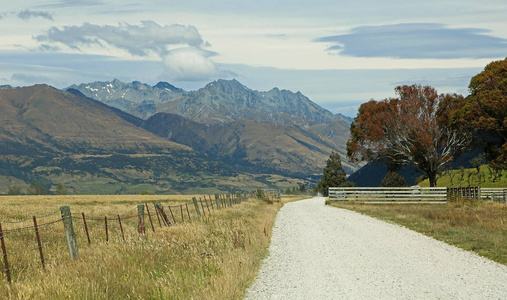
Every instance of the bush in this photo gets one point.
(393, 179)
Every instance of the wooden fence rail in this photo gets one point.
(495, 194)
(384, 195)
(415, 194)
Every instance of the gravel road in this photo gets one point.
(322, 252)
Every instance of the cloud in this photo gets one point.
(29, 78)
(138, 40)
(417, 40)
(281, 36)
(190, 64)
(49, 48)
(28, 14)
(72, 3)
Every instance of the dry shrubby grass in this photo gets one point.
(479, 226)
(216, 258)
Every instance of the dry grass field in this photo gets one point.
(215, 258)
(479, 226)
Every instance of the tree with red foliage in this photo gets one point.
(411, 129)
(486, 110)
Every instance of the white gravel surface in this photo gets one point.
(322, 252)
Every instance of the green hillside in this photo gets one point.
(485, 177)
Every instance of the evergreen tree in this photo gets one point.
(14, 190)
(61, 189)
(393, 179)
(37, 189)
(334, 175)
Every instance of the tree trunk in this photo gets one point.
(433, 179)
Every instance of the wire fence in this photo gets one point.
(55, 237)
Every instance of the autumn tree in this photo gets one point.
(413, 129)
(334, 175)
(486, 110)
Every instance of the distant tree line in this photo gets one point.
(296, 190)
(37, 188)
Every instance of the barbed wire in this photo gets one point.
(31, 218)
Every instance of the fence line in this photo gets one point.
(495, 194)
(385, 195)
(48, 241)
(415, 194)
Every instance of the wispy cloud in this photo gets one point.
(72, 3)
(28, 14)
(417, 40)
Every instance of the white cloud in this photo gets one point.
(190, 64)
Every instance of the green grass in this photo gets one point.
(479, 226)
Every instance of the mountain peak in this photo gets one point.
(165, 85)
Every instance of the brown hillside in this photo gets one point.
(61, 120)
(253, 145)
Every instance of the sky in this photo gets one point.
(338, 53)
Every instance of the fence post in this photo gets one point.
(229, 200)
(217, 200)
(140, 213)
(69, 231)
(121, 228)
(162, 213)
(86, 228)
(196, 207)
(38, 242)
(4, 253)
(149, 216)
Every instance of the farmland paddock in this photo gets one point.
(58, 235)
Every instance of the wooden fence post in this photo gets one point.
(217, 200)
(38, 242)
(161, 211)
(229, 200)
(140, 213)
(4, 254)
(69, 231)
(196, 205)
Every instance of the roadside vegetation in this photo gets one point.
(216, 258)
(478, 226)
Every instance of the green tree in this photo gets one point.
(14, 190)
(414, 129)
(37, 189)
(61, 189)
(334, 175)
(393, 179)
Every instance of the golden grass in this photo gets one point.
(479, 226)
(216, 258)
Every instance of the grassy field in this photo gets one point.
(476, 226)
(216, 258)
(485, 177)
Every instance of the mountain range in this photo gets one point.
(220, 101)
(219, 137)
